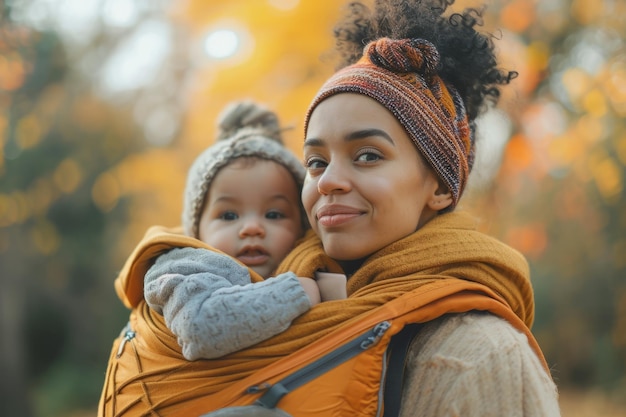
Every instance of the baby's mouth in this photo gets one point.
(253, 256)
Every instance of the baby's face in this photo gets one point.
(252, 213)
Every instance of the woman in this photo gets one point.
(437, 318)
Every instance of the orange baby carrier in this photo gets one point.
(334, 359)
(341, 374)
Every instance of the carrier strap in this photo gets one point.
(394, 379)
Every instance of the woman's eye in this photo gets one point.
(274, 215)
(314, 163)
(228, 215)
(368, 156)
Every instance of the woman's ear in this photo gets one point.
(441, 199)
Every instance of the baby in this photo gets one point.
(242, 197)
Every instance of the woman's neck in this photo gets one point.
(351, 266)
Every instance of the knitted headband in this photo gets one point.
(247, 130)
(402, 76)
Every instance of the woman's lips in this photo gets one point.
(333, 216)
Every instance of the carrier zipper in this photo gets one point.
(273, 393)
(128, 336)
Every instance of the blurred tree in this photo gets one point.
(559, 195)
(57, 228)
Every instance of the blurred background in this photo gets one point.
(105, 103)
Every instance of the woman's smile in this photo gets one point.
(335, 215)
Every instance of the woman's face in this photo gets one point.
(366, 184)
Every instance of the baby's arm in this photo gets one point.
(209, 303)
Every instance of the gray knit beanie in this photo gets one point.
(246, 129)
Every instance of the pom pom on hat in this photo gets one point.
(248, 115)
(246, 129)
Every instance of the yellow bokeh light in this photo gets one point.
(615, 87)
(45, 237)
(594, 103)
(589, 129)
(67, 176)
(41, 195)
(105, 192)
(538, 55)
(577, 82)
(620, 146)
(607, 175)
(28, 132)
(12, 72)
(617, 79)
(565, 150)
(586, 11)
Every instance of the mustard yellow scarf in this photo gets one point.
(446, 251)
(449, 246)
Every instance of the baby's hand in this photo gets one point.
(311, 289)
(331, 286)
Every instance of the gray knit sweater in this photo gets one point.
(211, 306)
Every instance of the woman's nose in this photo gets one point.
(333, 180)
(252, 226)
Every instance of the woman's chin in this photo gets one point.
(345, 255)
(342, 253)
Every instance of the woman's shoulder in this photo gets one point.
(471, 336)
(479, 364)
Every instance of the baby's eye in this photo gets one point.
(274, 215)
(228, 216)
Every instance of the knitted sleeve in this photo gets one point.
(475, 364)
(211, 306)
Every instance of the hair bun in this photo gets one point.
(404, 55)
(248, 116)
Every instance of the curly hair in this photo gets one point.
(468, 58)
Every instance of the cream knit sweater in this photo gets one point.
(475, 365)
